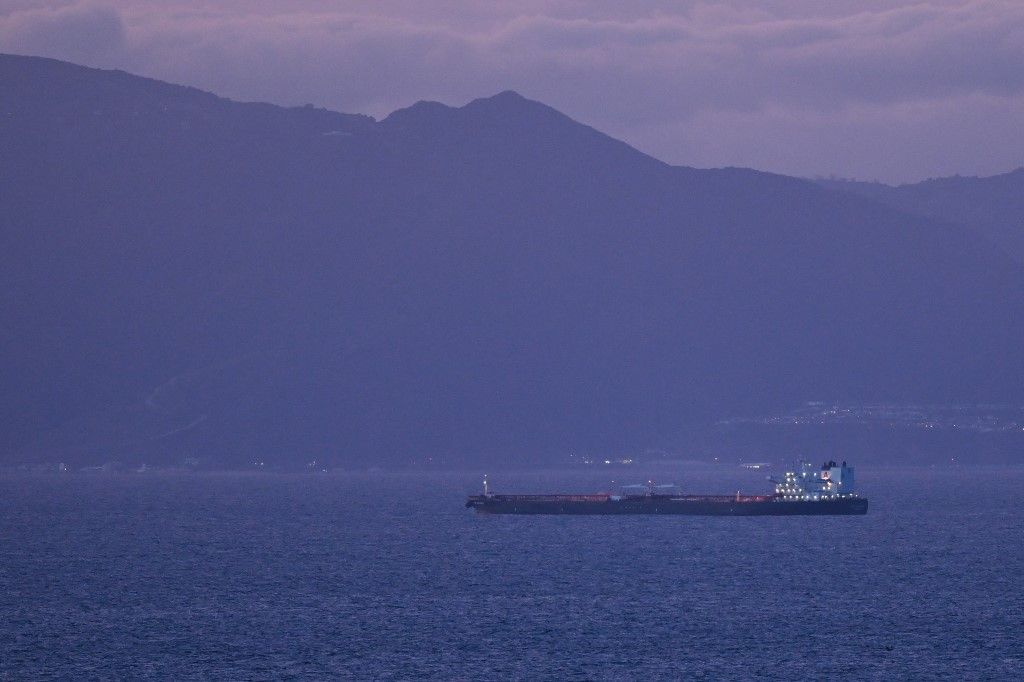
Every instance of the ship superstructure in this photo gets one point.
(806, 484)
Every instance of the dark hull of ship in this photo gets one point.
(685, 506)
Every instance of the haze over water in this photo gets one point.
(240, 576)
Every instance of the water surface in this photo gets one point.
(388, 577)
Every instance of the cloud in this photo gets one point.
(670, 77)
(80, 33)
(974, 134)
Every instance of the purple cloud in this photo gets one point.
(869, 88)
(79, 33)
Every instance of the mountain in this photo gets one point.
(190, 276)
(993, 207)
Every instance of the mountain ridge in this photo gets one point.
(473, 283)
(989, 206)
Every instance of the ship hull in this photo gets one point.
(685, 506)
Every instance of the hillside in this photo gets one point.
(190, 276)
(992, 207)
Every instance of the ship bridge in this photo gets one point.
(807, 482)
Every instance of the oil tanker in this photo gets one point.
(805, 491)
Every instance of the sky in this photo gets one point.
(866, 89)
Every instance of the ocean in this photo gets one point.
(358, 576)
